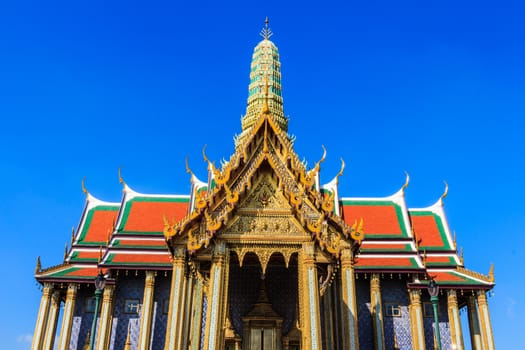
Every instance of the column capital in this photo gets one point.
(482, 297)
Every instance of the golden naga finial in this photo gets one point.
(461, 256)
(455, 239)
(120, 179)
(357, 232)
(84, 190)
(424, 257)
(169, 229)
(38, 266)
(491, 273)
(445, 193)
(72, 235)
(407, 181)
(65, 251)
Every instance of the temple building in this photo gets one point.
(262, 255)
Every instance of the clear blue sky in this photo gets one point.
(436, 88)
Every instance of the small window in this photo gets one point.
(392, 310)
(428, 311)
(89, 306)
(131, 306)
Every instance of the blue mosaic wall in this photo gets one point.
(444, 327)
(160, 310)
(129, 287)
(82, 320)
(364, 316)
(203, 321)
(394, 291)
(243, 290)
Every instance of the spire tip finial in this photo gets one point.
(266, 33)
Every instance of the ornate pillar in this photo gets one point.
(484, 321)
(106, 318)
(312, 326)
(67, 318)
(348, 299)
(147, 311)
(41, 321)
(473, 321)
(339, 334)
(216, 297)
(454, 320)
(196, 322)
(416, 319)
(377, 312)
(51, 327)
(173, 328)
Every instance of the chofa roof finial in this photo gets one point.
(266, 32)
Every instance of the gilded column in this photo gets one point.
(196, 322)
(336, 297)
(106, 318)
(147, 311)
(473, 321)
(312, 327)
(176, 298)
(454, 320)
(41, 321)
(67, 318)
(377, 312)
(416, 319)
(349, 304)
(484, 321)
(214, 317)
(51, 327)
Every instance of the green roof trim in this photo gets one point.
(441, 229)
(413, 264)
(378, 203)
(109, 261)
(129, 204)
(451, 262)
(370, 249)
(89, 219)
(117, 243)
(75, 258)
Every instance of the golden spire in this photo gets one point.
(266, 32)
(65, 251)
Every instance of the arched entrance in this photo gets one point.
(263, 303)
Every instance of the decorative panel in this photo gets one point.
(127, 288)
(82, 320)
(394, 294)
(160, 310)
(364, 316)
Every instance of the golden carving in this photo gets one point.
(357, 231)
(264, 225)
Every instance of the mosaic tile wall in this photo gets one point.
(203, 321)
(160, 310)
(444, 327)
(363, 313)
(129, 287)
(82, 320)
(394, 291)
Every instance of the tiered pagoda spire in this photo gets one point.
(265, 85)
